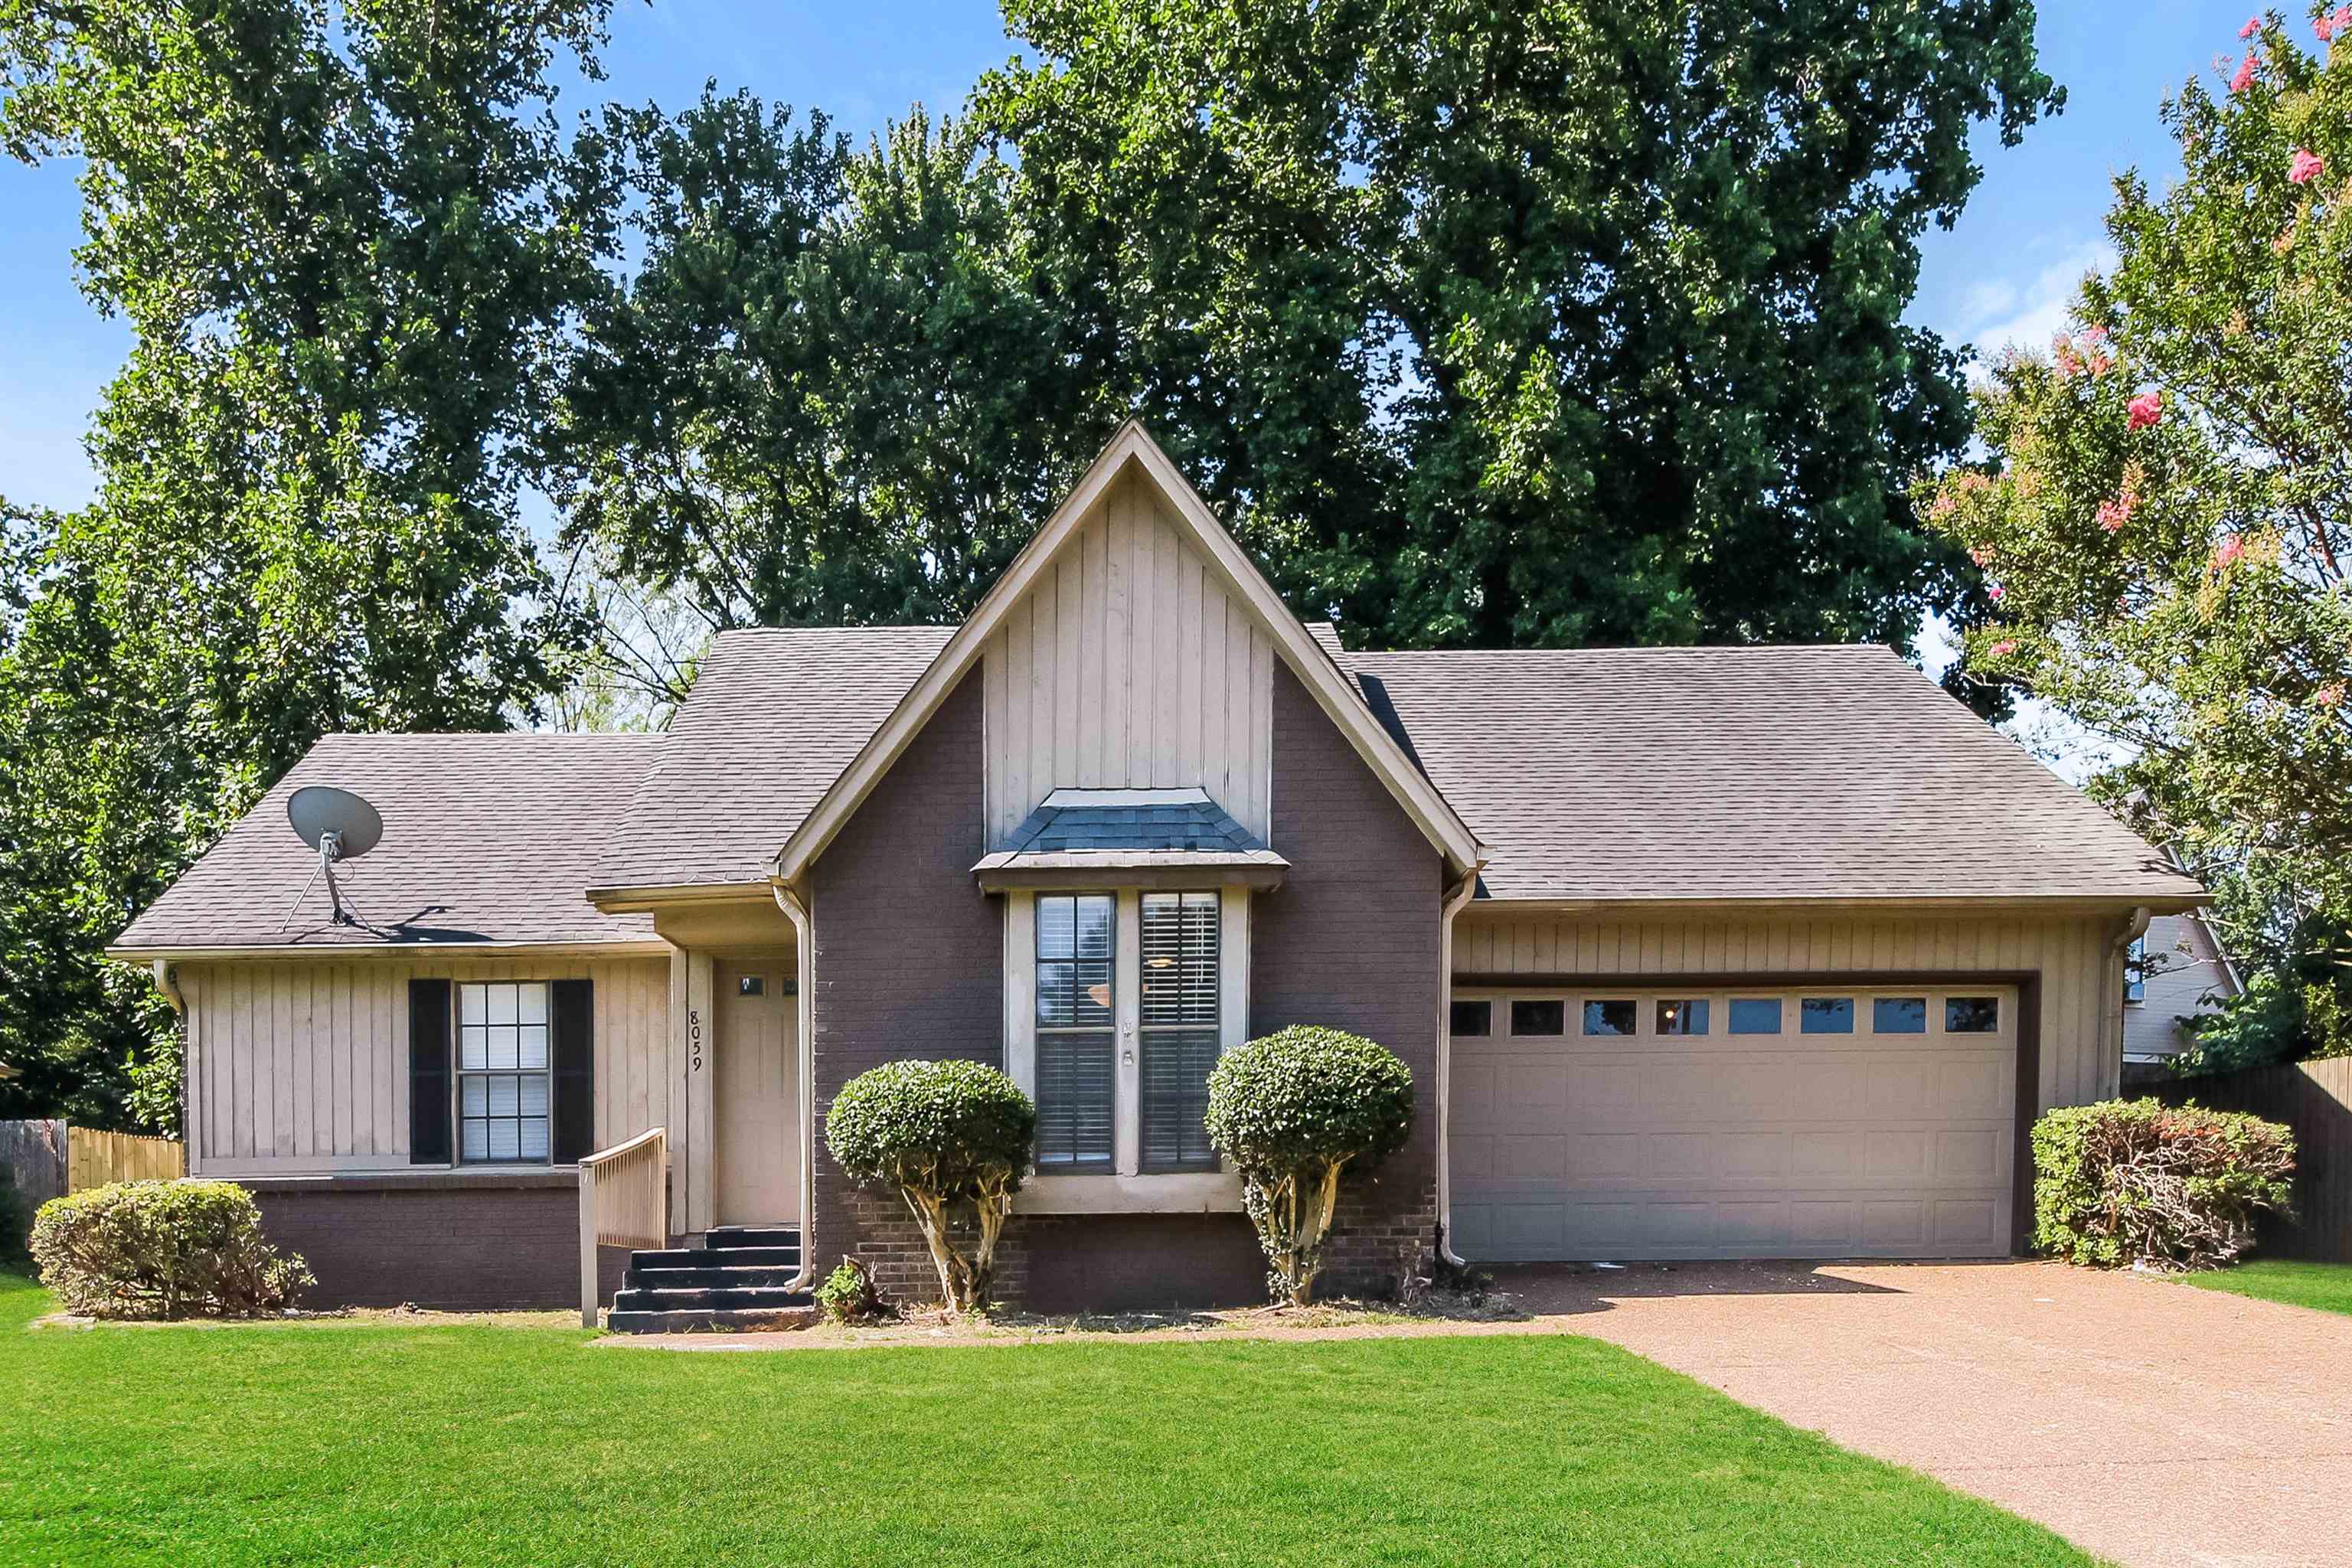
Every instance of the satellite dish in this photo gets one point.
(318, 810)
(339, 825)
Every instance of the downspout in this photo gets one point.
(2135, 928)
(796, 911)
(167, 981)
(1455, 898)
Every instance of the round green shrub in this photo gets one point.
(955, 1128)
(2131, 1182)
(1308, 1095)
(162, 1249)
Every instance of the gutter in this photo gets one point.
(1456, 897)
(2135, 927)
(167, 981)
(796, 911)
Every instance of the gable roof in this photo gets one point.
(1312, 665)
(486, 839)
(1746, 774)
(774, 716)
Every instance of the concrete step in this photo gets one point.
(705, 1321)
(701, 1298)
(753, 1236)
(718, 1258)
(704, 1279)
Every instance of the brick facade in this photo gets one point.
(1350, 940)
(460, 1242)
(910, 962)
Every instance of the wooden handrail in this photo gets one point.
(607, 1156)
(623, 1202)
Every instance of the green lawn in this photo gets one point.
(2326, 1286)
(365, 1443)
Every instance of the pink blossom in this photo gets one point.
(2330, 695)
(2304, 166)
(2232, 549)
(1993, 593)
(2245, 77)
(1972, 480)
(2113, 514)
(2254, 25)
(1943, 505)
(2003, 648)
(2094, 334)
(2145, 409)
(2335, 22)
(1981, 555)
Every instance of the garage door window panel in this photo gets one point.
(1611, 1016)
(1536, 1016)
(1971, 1015)
(1681, 1015)
(1755, 1015)
(1825, 1016)
(1472, 1020)
(1898, 1016)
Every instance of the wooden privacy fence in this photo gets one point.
(95, 1158)
(2314, 1098)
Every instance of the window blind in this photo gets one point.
(1181, 1008)
(1076, 1019)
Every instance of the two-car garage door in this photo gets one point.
(1724, 1122)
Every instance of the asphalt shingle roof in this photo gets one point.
(1752, 773)
(1201, 825)
(774, 718)
(486, 838)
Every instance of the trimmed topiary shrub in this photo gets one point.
(162, 1249)
(2133, 1182)
(941, 1135)
(1292, 1111)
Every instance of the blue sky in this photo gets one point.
(2005, 271)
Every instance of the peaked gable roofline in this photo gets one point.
(1314, 667)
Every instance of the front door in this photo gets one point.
(755, 1095)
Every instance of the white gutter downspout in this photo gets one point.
(796, 909)
(2119, 977)
(1455, 898)
(167, 981)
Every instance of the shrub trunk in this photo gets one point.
(1293, 1214)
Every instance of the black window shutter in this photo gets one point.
(571, 1010)
(428, 1072)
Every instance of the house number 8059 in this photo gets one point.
(694, 1037)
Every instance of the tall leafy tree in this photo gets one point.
(1548, 322)
(827, 394)
(2166, 507)
(347, 240)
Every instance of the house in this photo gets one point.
(1693, 952)
(2178, 970)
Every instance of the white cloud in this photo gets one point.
(2039, 310)
(1988, 299)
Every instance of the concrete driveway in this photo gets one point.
(2148, 1421)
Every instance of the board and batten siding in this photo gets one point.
(302, 1067)
(1128, 666)
(2080, 967)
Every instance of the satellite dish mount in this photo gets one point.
(339, 825)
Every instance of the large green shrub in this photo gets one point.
(1292, 1111)
(941, 1135)
(162, 1249)
(2127, 1182)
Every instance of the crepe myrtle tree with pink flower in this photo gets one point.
(2166, 502)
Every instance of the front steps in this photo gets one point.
(735, 1279)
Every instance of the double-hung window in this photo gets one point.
(502, 1076)
(1078, 975)
(1182, 996)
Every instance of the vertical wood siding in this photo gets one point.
(301, 1066)
(2081, 971)
(1129, 667)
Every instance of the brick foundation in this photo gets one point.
(458, 1242)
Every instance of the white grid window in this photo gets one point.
(502, 1078)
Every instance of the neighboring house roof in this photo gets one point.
(1738, 773)
(486, 838)
(774, 718)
